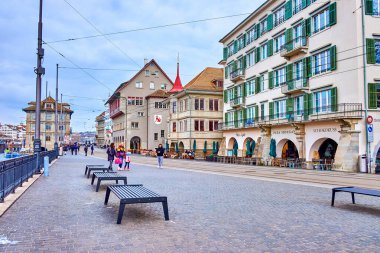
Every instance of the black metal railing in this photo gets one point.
(278, 20)
(299, 83)
(236, 73)
(295, 43)
(339, 111)
(238, 101)
(14, 172)
(297, 8)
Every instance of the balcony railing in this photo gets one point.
(115, 112)
(279, 20)
(295, 46)
(297, 8)
(322, 113)
(295, 86)
(237, 102)
(237, 75)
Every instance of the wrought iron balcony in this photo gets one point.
(294, 47)
(237, 75)
(237, 102)
(295, 86)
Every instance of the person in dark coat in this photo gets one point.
(85, 150)
(72, 149)
(111, 152)
(160, 155)
(92, 149)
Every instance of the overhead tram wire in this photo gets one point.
(76, 65)
(101, 34)
(151, 27)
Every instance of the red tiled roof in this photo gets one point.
(158, 94)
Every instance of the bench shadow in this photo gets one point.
(139, 212)
(365, 209)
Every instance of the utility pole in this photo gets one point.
(39, 71)
(56, 114)
(62, 121)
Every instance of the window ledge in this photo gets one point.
(320, 75)
(319, 32)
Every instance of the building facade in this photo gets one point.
(129, 106)
(13, 134)
(196, 112)
(48, 123)
(107, 127)
(297, 72)
(100, 129)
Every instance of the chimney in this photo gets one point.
(145, 61)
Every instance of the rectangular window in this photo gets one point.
(376, 8)
(279, 77)
(250, 115)
(47, 127)
(199, 104)
(297, 6)
(47, 137)
(262, 111)
(240, 43)
(250, 58)
(321, 20)
(262, 83)
(61, 128)
(264, 51)
(213, 104)
(134, 125)
(48, 116)
(162, 133)
(250, 35)
(298, 105)
(279, 43)
(174, 108)
(231, 50)
(155, 136)
(135, 100)
(185, 125)
(163, 86)
(139, 85)
(196, 125)
(250, 87)
(280, 109)
(174, 128)
(322, 101)
(321, 62)
(185, 105)
(213, 125)
(180, 126)
(279, 16)
(156, 73)
(199, 125)
(140, 114)
(263, 26)
(147, 73)
(151, 86)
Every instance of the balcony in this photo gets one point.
(296, 86)
(237, 102)
(295, 47)
(237, 75)
(322, 113)
(115, 112)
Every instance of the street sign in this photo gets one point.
(370, 133)
(369, 119)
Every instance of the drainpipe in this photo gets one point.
(368, 151)
(147, 125)
(190, 106)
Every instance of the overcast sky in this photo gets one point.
(196, 43)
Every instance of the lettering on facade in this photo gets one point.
(325, 130)
(283, 132)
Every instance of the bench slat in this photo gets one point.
(359, 191)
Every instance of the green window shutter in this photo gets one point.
(306, 67)
(244, 90)
(369, 7)
(305, 107)
(245, 114)
(333, 57)
(290, 109)
(310, 104)
(257, 85)
(257, 32)
(244, 41)
(257, 55)
(371, 53)
(225, 53)
(235, 46)
(372, 96)
(270, 47)
(225, 96)
(270, 22)
(289, 76)
(236, 118)
(289, 39)
(256, 112)
(271, 81)
(244, 62)
(334, 99)
(307, 25)
(271, 110)
(305, 3)
(332, 13)
(226, 117)
(226, 72)
(288, 10)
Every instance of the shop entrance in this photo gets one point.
(327, 149)
(289, 150)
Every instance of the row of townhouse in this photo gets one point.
(306, 74)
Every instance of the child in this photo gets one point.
(120, 153)
(127, 160)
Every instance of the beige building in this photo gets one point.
(196, 111)
(48, 123)
(100, 129)
(295, 72)
(130, 107)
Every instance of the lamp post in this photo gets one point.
(56, 114)
(39, 71)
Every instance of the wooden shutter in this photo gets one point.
(371, 53)
(244, 63)
(256, 112)
(257, 55)
(332, 13)
(369, 7)
(270, 47)
(225, 53)
(306, 67)
(271, 110)
(310, 104)
(289, 39)
(372, 96)
(257, 32)
(226, 72)
(235, 46)
(290, 109)
(305, 3)
(289, 76)
(225, 96)
(226, 117)
(305, 106)
(236, 119)
(257, 85)
(307, 25)
(288, 10)
(334, 99)
(244, 90)
(270, 22)
(244, 114)
(333, 57)
(270, 79)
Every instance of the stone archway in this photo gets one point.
(245, 146)
(232, 147)
(135, 144)
(287, 149)
(322, 147)
(181, 147)
(172, 147)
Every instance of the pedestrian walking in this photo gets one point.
(111, 154)
(76, 148)
(72, 149)
(85, 150)
(120, 153)
(92, 149)
(160, 155)
(127, 161)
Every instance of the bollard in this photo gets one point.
(46, 166)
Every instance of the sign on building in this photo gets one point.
(370, 133)
(158, 119)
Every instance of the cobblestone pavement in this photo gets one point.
(208, 213)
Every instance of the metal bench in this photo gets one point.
(354, 190)
(132, 194)
(91, 166)
(107, 176)
(96, 168)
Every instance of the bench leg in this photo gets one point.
(166, 211)
(98, 185)
(117, 181)
(93, 179)
(125, 181)
(89, 172)
(85, 172)
(107, 195)
(121, 212)
(333, 198)
(353, 198)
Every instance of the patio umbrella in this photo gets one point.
(167, 146)
(253, 145)
(272, 148)
(194, 145)
(205, 147)
(217, 147)
(248, 151)
(213, 147)
(235, 149)
(176, 148)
